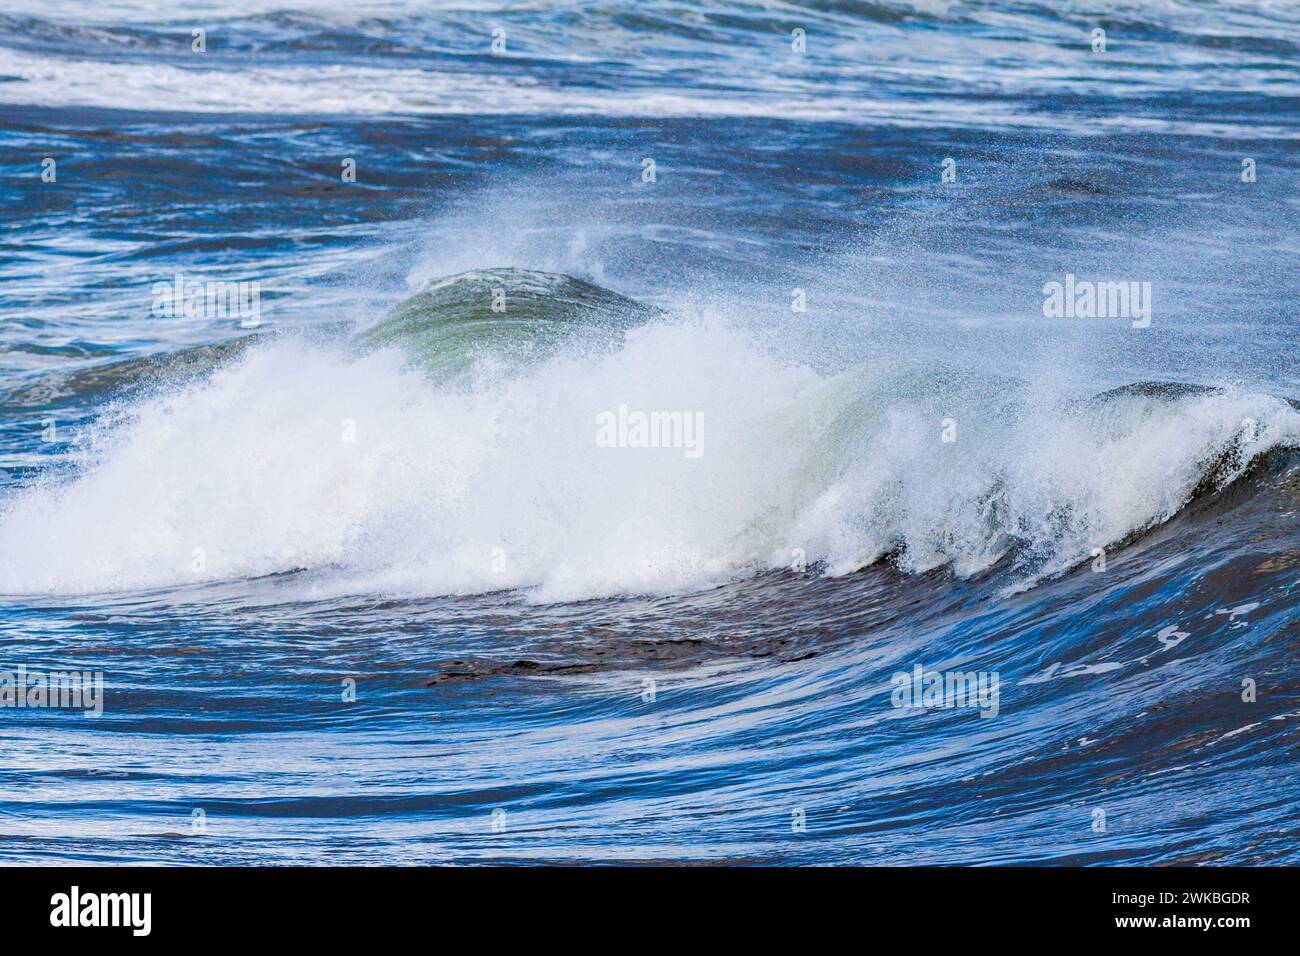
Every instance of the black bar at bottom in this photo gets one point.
(340, 906)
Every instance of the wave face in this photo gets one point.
(619, 452)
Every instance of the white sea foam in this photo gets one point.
(503, 485)
(351, 89)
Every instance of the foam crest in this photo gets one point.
(378, 479)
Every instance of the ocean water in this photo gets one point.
(374, 570)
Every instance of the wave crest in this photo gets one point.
(376, 477)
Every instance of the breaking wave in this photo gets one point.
(451, 448)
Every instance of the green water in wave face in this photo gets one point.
(515, 315)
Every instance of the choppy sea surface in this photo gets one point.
(363, 580)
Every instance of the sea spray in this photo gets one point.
(367, 473)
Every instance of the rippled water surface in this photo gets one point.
(364, 582)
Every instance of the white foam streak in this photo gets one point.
(353, 90)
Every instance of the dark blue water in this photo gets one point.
(365, 591)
